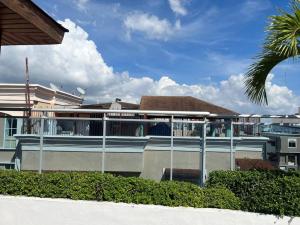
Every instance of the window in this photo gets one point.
(291, 160)
(282, 159)
(292, 143)
(10, 129)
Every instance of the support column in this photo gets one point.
(231, 146)
(172, 148)
(41, 144)
(203, 155)
(103, 143)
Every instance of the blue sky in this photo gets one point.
(131, 48)
(219, 37)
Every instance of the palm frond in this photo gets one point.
(282, 42)
(256, 76)
(284, 31)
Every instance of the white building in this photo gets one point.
(12, 101)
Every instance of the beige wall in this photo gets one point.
(156, 161)
(82, 161)
(248, 154)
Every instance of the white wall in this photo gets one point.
(35, 211)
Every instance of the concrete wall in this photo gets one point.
(150, 164)
(148, 157)
(156, 161)
(7, 155)
(248, 154)
(82, 161)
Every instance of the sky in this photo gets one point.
(129, 48)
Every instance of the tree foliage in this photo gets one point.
(281, 43)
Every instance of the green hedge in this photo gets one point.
(271, 192)
(105, 187)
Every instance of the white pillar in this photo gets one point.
(172, 148)
(41, 144)
(103, 142)
(203, 155)
(231, 146)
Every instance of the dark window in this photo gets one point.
(292, 143)
(291, 160)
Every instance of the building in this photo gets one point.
(12, 97)
(132, 140)
(12, 105)
(283, 150)
(182, 103)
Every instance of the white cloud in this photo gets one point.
(251, 8)
(150, 25)
(177, 7)
(81, 4)
(77, 62)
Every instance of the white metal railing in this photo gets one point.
(229, 128)
(170, 120)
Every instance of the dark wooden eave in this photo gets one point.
(23, 23)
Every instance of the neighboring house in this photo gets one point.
(187, 103)
(12, 101)
(283, 147)
(182, 103)
(283, 150)
(12, 96)
(137, 146)
(117, 104)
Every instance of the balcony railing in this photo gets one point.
(104, 124)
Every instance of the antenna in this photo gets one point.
(54, 87)
(81, 91)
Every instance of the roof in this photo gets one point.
(42, 87)
(22, 22)
(124, 105)
(251, 164)
(13, 96)
(181, 103)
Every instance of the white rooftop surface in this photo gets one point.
(36, 211)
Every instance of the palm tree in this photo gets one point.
(281, 43)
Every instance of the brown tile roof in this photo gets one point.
(251, 164)
(125, 105)
(181, 103)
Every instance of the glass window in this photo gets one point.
(10, 131)
(292, 143)
(291, 160)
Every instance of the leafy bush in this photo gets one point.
(105, 187)
(220, 198)
(273, 192)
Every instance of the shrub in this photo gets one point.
(273, 192)
(105, 187)
(220, 198)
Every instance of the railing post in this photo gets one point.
(103, 143)
(203, 155)
(172, 148)
(231, 145)
(41, 144)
